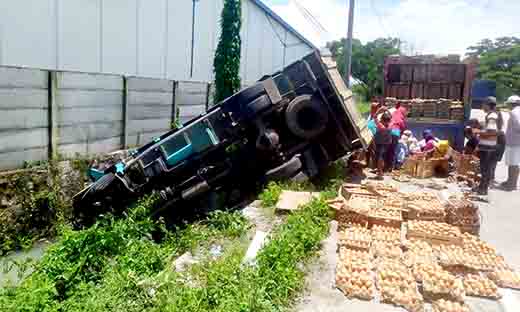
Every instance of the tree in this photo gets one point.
(367, 61)
(499, 61)
(488, 45)
(226, 64)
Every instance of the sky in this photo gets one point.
(427, 26)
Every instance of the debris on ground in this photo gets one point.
(258, 242)
(290, 201)
(184, 261)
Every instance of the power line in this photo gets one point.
(278, 36)
(310, 17)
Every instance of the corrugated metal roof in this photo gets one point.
(280, 20)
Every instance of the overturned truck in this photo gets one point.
(298, 120)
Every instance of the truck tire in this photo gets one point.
(285, 171)
(101, 184)
(305, 117)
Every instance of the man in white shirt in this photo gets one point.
(512, 153)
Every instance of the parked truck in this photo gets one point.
(443, 85)
(298, 120)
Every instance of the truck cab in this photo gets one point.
(298, 120)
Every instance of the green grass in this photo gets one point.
(100, 268)
(116, 266)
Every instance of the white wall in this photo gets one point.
(137, 37)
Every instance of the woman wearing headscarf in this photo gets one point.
(428, 143)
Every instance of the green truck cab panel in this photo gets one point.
(194, 140)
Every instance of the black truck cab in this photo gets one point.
(300, 119)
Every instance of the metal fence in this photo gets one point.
(45, 113)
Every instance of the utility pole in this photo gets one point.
(192, 35)
(348, 43)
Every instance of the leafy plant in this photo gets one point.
(226, 64)
(271, 194)
(499, 60)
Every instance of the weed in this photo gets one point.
(271, 194)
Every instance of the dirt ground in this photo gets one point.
(500, 228)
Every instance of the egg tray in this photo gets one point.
(352, 257)
(469, 292)
(386, 233)
(397, 300)
(362, 204)
(463, 307)
(362, 241)
(417, 270)
(347, 219)
(345, 285)
(347, 191)
(404, 273)
(385, 249)
(432, 238)
(503, 283)
(431, 296)
(449, 258)
(411, 258)
(459, 270)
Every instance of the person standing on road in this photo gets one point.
(383, 141)
(512, 153)
(487, 145)
(397, 126)
(501, 143)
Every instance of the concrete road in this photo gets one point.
(500, 227)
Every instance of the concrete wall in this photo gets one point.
(44, 113)
(23, 116)
(150, 38)
(150, 108)
(194, 98)
(89, 112)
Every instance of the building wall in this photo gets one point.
(149, 38)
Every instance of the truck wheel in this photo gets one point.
(306, 117)
(287, 170)
(101, 184)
